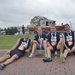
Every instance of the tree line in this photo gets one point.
(10, 31)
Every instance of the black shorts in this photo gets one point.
(17, 52)
(54, 49)
(69, 47)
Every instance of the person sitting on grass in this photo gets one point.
(39, 42)
(54, 43)
(22, 46)
(69, 46)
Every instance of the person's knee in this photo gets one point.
(6, 56)
(44, 41)
(35, 43)
(48, 49)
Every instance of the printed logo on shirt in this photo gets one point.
(40, 40)
(23, 46)
(69, 40)
(53, 40)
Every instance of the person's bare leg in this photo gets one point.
(4, 57)
(65, 53)
(10, 60)
(61, 48)
(48, 52)
(73, 49)
(48, 58)
(45, 45)
(34, 46)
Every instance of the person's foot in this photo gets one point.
(31, 55)
(47, 59)
(62, 58)
(2, 66)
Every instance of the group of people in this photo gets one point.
(54, 41)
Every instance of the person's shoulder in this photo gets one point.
(43, 34)
(21, 38)
(57, 32)
(36, 37)
(72, 31)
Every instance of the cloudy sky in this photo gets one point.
(20, 12)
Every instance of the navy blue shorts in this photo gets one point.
(17, 52)
(42, 47)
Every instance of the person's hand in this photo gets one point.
(58, 46)
(51, 47)
(27, 51)
(8, 52)
(69, 50)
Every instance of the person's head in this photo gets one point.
(67, 27)
(26, 34)
(39, 31)
(53, 29)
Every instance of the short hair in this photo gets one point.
(26, 31)
(67, 25)
(39, 28)
(52, 26)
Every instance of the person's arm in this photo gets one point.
(61, 39)
(65, 44)
(74, 41)
(13, 46)
(60, 44)
(74, 38)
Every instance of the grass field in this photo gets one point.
(7, 41)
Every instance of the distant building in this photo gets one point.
(41, 21)
(3, 32)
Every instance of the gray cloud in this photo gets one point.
(18, 12)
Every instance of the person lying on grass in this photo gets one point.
(22, 46)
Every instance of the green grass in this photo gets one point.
(7, 41)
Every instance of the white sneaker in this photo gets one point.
(62, 58)
(31, 55)
(2, 66)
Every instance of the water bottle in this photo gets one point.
(40, 46)
(56, 54)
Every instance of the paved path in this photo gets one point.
(35, 66)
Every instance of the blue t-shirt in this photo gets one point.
(56, 39)
(69, 37)
(43, 36)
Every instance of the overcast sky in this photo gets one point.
(20, 12)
